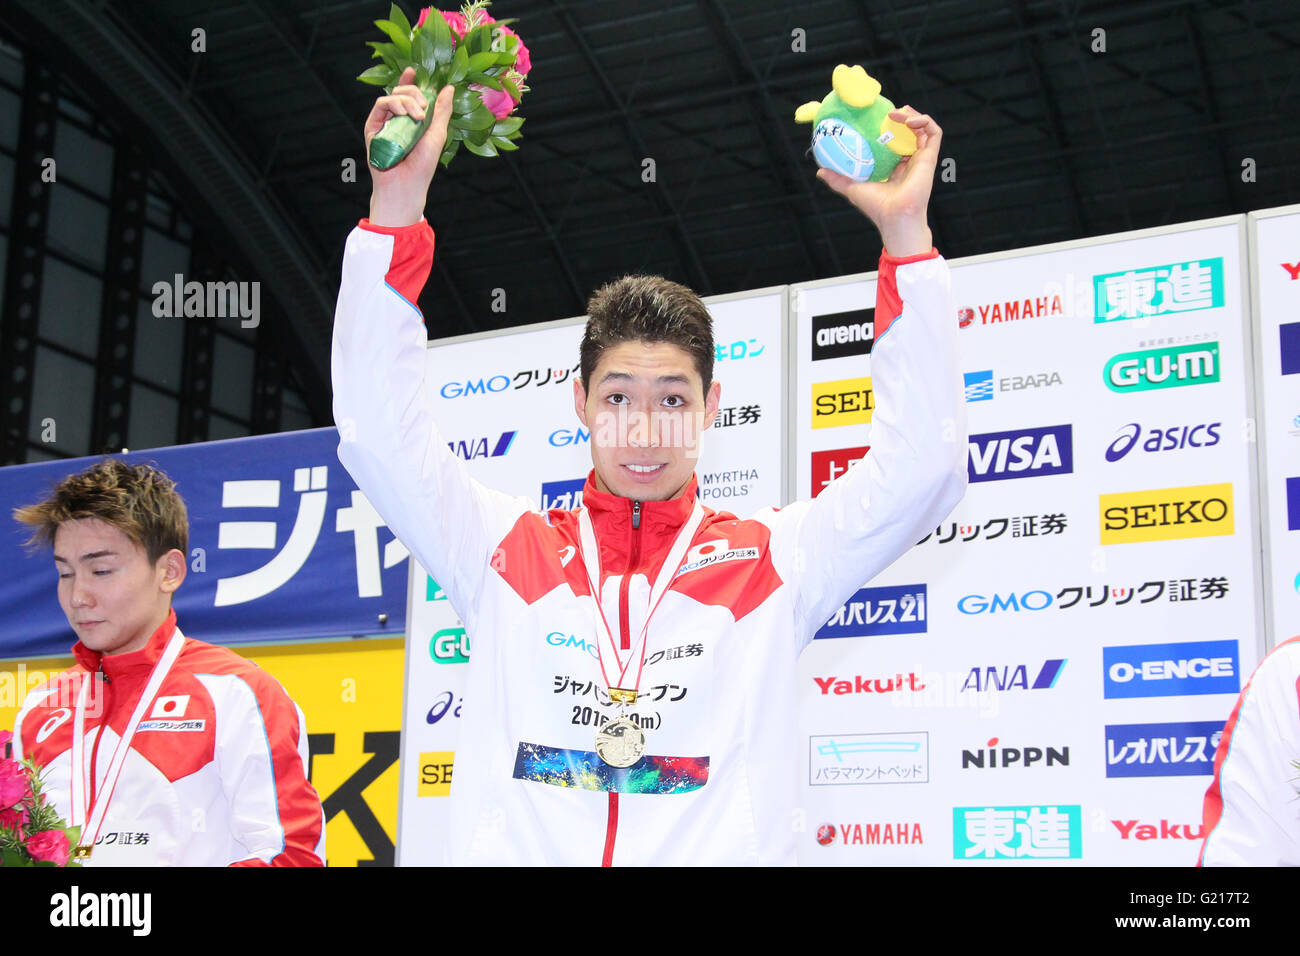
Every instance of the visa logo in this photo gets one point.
(1023, 453)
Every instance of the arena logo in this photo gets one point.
(1162, 750)
(993, 757)
(564, 495)
(1171, 670)
(1162, 439)
(714, 552)
(893, 609)
(1035, 380)
(1163, 514)
(481, 386)
(560, 639)
(1012, 310)
(1008, 677)
(868, 685)
(1149, 369)
(563, 437)
(480, 447)
(1164, 830)
(842, 334)
(847, 401)
(829, 465)
(716, 485)
(449, 646)
(1158, 290)
(870, 834)
(1026, 601)
(1024, 453)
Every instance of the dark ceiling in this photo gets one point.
(1052, 137)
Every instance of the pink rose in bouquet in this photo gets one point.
(49, 846)
(13, 783)
(14, 818)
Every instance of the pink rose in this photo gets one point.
(49, 846)
(523, 61)
(13, 783)
(13, 819)
(498, 101)
(456, 21)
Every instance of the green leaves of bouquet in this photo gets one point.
(483, 58)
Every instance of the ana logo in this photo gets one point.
(449, 646)
(1017, 833)
(1025, 453)
(979, 386)
(497, 383)
(844, 402)
(442, 706)
(1171, 670)
(564, 495)
(870, 834)
(435, 773)
(53, 723)
(867, 685)
(1013, 677)
(482, 447)
(894, 609)
(1158, 290)
(714, 552)
(1012, 310)
(851, 759)
(993, 756)
(1027, 601)
(563, 437)
(1164, 830)
(170, 706)
(558, 639)
(829, 465)
(843, 334)
(1018, 383)
(1197, 511)
(1149, 369)
(1163, 439)
(1289, 336)
(1162, 750)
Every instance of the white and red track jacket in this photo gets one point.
(217, 771)
(716, 785)
(1252, 809)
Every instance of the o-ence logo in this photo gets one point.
(829, 465)
(1023, 453)
(842, 334)
(894, 609)
(1148, 369)
(870, 834)
(1171, 670)
(848, 401)
(1165, 514)
(449, 646)
(994, 757)
(435, 773)
(1163, 439)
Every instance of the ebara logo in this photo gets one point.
(979, 386)
(1170, 670)
(893, 609)
(1024, 453)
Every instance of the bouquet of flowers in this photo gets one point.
(483, 58)
(31, 831)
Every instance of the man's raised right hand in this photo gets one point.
(398, 195)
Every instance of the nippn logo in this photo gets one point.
(1164, 514)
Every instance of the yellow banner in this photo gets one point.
(848, 401)
(1164, 514)
(350, 693)
(435, 773)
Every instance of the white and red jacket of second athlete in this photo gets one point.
(216, 774)
(1252, 809)
(718, 782)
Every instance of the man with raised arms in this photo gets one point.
(708, 610)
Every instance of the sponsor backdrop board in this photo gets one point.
(505, 403)
(1275, 253)
(1044, 678)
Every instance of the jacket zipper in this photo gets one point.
(625, 642)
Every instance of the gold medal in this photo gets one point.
(81, 852)
(620, 743)
(622, 695)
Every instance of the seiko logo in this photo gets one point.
(842, 334)
(1024, 453)
(1192, 512)
(845, 402)
(993, 756)
(1163, 368)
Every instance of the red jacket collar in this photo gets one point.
(615, 510)
(146, 657)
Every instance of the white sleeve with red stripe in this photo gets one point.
(387, 437)
(915, 472)
(1252, 808)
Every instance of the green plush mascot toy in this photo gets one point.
(852, 132)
